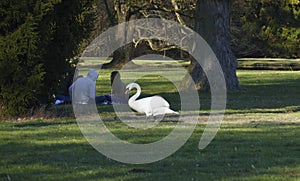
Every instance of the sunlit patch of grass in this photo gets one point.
(269, 64)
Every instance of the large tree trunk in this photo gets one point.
(124, 54)
(212, 23)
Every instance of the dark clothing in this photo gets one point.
(118, 92)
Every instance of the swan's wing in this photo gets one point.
(142, 106)
(160, 106)
(158, 101)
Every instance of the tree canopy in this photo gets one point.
(39, 42)
(266, 28)
(259, 28)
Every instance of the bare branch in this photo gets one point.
(180, 20)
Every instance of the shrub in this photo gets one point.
(38, 43)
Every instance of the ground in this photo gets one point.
(259, 138)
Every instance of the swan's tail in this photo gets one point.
(163, 110)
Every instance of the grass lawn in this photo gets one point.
(259, 139)
(269, 64)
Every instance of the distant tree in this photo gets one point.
(266, 28)
(38, 43)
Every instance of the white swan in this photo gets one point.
(151, 106)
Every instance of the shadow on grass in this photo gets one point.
(41, 123)
(273, 93)
(237, 152)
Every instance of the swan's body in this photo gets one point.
(151, 106)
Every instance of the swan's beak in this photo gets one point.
(127, 91)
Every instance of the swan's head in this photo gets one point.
(131, 86)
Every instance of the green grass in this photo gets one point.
(56, 150)
(258, 140)
(268, 90)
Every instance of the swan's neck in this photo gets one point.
(136, 95)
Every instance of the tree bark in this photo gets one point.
(123, 54)
(212, 23)
(109, 13)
